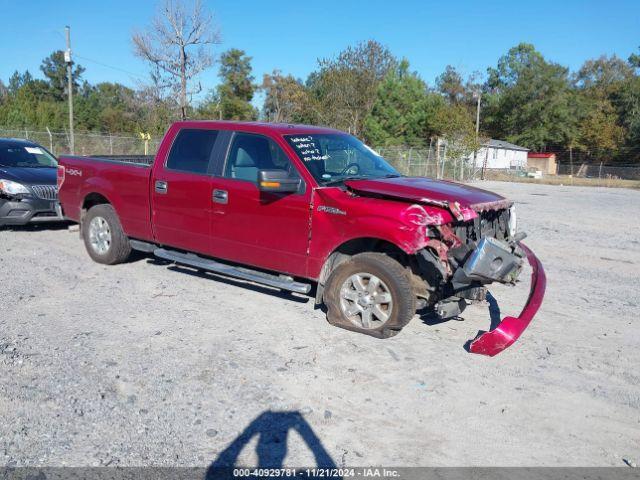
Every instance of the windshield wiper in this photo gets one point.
(361, 177)
(345, 179)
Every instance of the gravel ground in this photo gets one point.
(144, 364)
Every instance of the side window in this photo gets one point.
(191, 150)
(250, 153)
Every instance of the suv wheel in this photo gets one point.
(103, 236)
(370, 293)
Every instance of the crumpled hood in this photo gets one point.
(434, 192)
(29, 176)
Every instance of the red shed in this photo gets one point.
(545, 162)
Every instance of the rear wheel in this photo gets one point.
(370, 293)
(104, 238)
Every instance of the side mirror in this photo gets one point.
(277, 181)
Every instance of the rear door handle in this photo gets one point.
(161, 186)
(220, 196)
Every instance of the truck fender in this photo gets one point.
(335, 259)
(95, 194)
(343, 252)
(97, 186)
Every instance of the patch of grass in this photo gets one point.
(567, 180)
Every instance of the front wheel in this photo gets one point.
(103, 236)
(370, 293)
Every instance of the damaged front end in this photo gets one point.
(510, 328)
(462, 258)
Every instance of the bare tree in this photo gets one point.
(177, 45)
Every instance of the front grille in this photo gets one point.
(45, 192)
(490, 223)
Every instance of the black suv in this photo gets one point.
(28, 190)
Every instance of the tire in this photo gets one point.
(103, 236)
(349, 289)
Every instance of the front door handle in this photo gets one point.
(161, 186)
(220, 196)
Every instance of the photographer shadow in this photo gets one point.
(272, 430)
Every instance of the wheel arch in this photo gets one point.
(92, 199)
(89, 200)
(348, 249)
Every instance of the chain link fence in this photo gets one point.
(601, 171)
(590, 176)
(86, 143)
(434, 162)
(430, 161)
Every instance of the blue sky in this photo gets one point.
(291, 35)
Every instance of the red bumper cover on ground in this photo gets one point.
(510, 328)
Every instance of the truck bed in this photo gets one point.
(140, 160)
(123, 180)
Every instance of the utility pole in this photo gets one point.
(484, 164)
(67, 59)
(478, 95)
(438, 176)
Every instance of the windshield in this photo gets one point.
(26, 156)
(335, 157)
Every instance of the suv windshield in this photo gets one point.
(334, 157)
(26, 156)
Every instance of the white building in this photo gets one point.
(501, 155)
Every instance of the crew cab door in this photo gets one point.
(181, 190)
(263, 229)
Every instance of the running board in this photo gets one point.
(142, 246)
(192, 260)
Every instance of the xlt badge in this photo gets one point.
(332, 210)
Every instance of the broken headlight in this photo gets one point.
(12, 188)
(513, 222)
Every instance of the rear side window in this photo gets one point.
(191, 150)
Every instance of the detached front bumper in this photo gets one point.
(29, 210)
(510, 328)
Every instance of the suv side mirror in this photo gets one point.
(278, 181)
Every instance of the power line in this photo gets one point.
(111, 66)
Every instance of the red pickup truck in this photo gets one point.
(293, 206)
